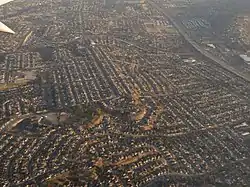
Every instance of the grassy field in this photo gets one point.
(10, 86)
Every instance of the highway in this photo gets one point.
(194, 44)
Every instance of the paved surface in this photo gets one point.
(196, 46)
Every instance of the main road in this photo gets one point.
(196, 45)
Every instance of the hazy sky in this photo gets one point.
(4, 1)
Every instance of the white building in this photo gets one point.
(246, 58)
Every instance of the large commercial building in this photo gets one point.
(110, 2)
(113, 2)
(134, 1)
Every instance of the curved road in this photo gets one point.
(195, 45)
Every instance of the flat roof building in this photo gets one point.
(246, 58)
